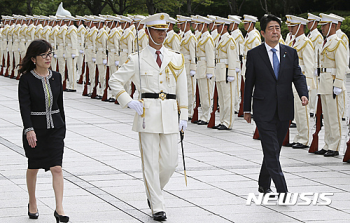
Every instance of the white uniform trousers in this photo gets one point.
(191, 88)
(226, 94)
(80, 60)
(112, 69)
(206, 89)
(92, 71)
(302, 120)
(313, 99)
(332, 112)
(238, 80)
(159, 155)
(72, 73)
(61, 67)
(101, 86)
(16, 58)
(11, 62)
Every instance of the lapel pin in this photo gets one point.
(284, 54)
(53, 79)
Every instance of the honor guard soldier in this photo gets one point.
(60, 41)
(317, 41)
(195, 24)
(90, 52)
(53, 41)
(226, 74)
(142, 36)
(305, 50)
(205, 69)
(252, 38)
(239, 40)
(179, 24)
(162, 84)
(331, 86)
(30, 29)
(22, 37)
(71, 45)
(4, 49)
(15, 47)
(172, 40)
(38, 27)
(213, 30)
(188, 49)
(81, 32)
(47, 28)
(10, 41)
(289, 37)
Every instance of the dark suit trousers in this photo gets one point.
(272, 134)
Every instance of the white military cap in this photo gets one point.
(29, 17)
(172, 20)
(99, 19)
(313, 17)
(89, 18)
(4, 17)
(36, 17)
(235, 19)
(249, 18)
(325, 19)
(157, 21)
(289, 18)
(139, 18)
(212, 17)
(182, 18)
(42, 17)
(78, 17)
(202, 19)
(295, 20)
(340, 19)
(194, 19)
(125, 19)
(53, 18)
(71, 18)
(221, 20)
(116, 18)
(60, 17)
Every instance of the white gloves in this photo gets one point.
(64, 55)
(308, 88)
(316, 74)
(337, 90)
(104, 61)
(94, 59)
(116, 63)
(238, 70)
(183, 125)
(192, 73)
(19, 50)
(81, 51)
(73, 55)
(55, 56)
(209, 76)
(230, 79)
(137, 106)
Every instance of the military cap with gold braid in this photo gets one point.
(157, 21)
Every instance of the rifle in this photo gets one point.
(211, 123)
(13, 66)
(105, 92)
(2, 65)
(240, 112)
(314, 144)
(286, 140)
(347, 152)
(195, 110)
(85, 91)
(256, 133)
(94, 92)
(80, 81)
(65, 77)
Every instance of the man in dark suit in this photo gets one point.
(271, 70)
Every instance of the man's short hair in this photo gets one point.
(266, 19)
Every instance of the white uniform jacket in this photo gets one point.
(188, 48)
(143, 40)
(71, 41)
(161, 116)
(113, 46)
(317, 41)
(172, 41)
(206, 56)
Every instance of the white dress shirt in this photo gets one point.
(270, 53)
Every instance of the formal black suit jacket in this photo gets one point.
(270, 94)
(31, 97)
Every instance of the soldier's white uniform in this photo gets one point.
(22, 37)
(30, 32)
(333, 62)
(15, 47)
(126, 42)
(53, 41)
(71, 45)
(47, 30)
(101, 59)
(4, 32)
(90, 54)
(159, 138)
(226, 77)
(61, 43)
(142, 36)
(305, 50)
(188, 49)
(38, 30)
(81, 32)
(289, 38)
(172, 40)
(10, 41)
(205, 69)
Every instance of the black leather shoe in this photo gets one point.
(293, 125)
(195, 122)
(217, 126)
(89, 95)
(343, 119)
(98, 97)
(311, 114)
(60, 218)
(265, 191)
(290, 144)
(149, 204)
(33, 215)
(71, 90)
(348, 161)
(189, 118)
(331, 153)
(223, 127)
(299, 146)
(159, 216)
(320, 152)
(200, 122)
(111, 100)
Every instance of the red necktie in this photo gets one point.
(291, 37)
(325, 41)
(159, 62)
(294, 42)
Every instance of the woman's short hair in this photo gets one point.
(35, 48)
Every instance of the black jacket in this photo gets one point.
(40, 109)
(270, 94)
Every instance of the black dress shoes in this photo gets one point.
(189, 118)
(290, 144)
(159, 216)
(223, 127)
(217, 126)
(299, 146)
(89, 95)
(111, 100)
(265, 191)
(321, 152)
(200, 122)
(71, 90)
(98, 97)
(33, 215)
(293, 125)
(331, 153)
(311, 114)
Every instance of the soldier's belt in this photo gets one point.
(160, 95)
(101, 49)
(327, 70)
(225, 61)
(23, 40)
(202, 58)
(125, 50)
(113, 50)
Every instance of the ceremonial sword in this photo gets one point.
(182, 135)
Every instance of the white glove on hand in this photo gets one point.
(316, 74)
(64, 55)
(308, 88)
(116, 63)
(55, 56)
(104, 61)
(230, 79)
(73, 55)
(183, 125)
(81, 51)
(94, 59)
(337, 90)
(238, 70)
(192, 73)
(137, 106)
(19, 50)
(209, 76)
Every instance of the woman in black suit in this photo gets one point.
(40, 97)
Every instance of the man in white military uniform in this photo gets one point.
(53, 41)
(163, 79)
(304, 48)
(289, 37)
(213, 30)
(15, 46)
(173, 40)
(101, 57)
(61, 50)
(195, 24)
(142, 36)
(225, 73)
(4, 54)
(317, 41)
(71, 45)
(10, 41)
(81, 32)
(205, 69)
(331, 87)
(22, 37)
(188, 49)
(90, 52)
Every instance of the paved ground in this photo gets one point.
(103, 180)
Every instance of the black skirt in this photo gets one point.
(49, 148)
